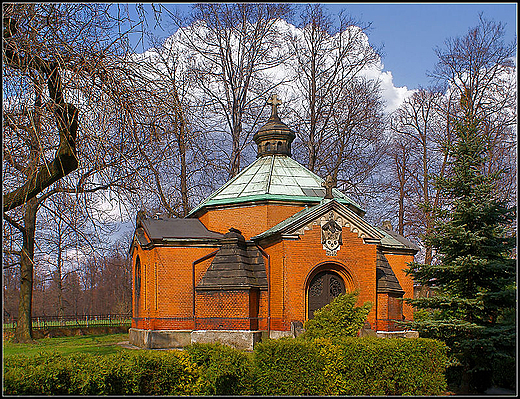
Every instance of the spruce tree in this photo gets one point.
(473, 276)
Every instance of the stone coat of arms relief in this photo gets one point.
(331, 237)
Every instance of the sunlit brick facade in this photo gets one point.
(266, 250)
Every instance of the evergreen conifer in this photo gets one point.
(473, 277)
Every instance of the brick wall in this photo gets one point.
(225, 310)
(294, 262)
(166, 285)
(166, 277)
(389, 310)
(399, 264)
(250, 220)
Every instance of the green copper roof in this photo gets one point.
(273, 177)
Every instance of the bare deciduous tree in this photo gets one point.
(328, 65)
(40, 43)
(57, 59)
(233, 46)
(479, 69)
(338, 111)
(421, 131)
(475, 66)
(477, 75)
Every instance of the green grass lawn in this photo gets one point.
(94, 344)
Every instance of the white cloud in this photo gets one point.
(393, 96)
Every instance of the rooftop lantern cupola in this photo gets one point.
(274, 137)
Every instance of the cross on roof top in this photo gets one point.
(329, 184)
(275, 102)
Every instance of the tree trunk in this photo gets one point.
(181, 142)
(23, 333)
(313, 120)
(59, 284)
(184, 177)
(235, 153)
(400, 217)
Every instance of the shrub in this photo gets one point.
(165, 373)
(350, 366)
(372, 366)
(339, 318)
(288, 367)
(323, 366)
(223, 370)
(143, 373)
(39, 375)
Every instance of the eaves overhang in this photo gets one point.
(173, 232)
(264, 199)
(176, 242)
(394, 243)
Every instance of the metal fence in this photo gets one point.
(44, 322)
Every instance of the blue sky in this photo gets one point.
(409, 32)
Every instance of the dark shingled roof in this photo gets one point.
(386, 281)
(141, 238)
(159, 229)
(237, 265)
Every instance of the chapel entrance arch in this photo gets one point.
(325, 284)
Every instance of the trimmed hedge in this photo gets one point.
(372, 366)
(349, 366)
(125, 373)
(224, 370)
(288, 366)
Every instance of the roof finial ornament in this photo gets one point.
(329, 184)
(275, 137)
(275, 102)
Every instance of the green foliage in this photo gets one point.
(125, 373)
(350, 366)
(340, 318)
(474, 273)
(39, 375)
(288, 367)
(372, 366)
(223, 370)
(339, 366)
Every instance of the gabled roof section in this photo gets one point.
(371, 234)
(275, 177)
(301, 219)
(395, 240)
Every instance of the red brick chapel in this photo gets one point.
(261, 254)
